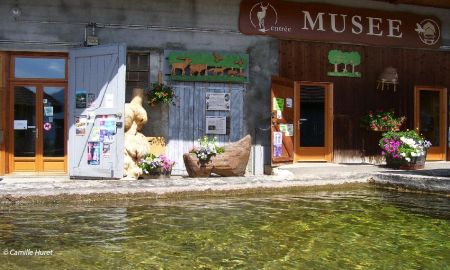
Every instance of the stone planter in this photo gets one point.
(416, 163)
(196, 168)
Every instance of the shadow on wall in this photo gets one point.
(263, 64)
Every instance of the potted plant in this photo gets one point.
(382, 121)
(404, 149)
(156, 166)
(159, 93)
(207, 149)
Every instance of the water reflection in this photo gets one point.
(361, 227)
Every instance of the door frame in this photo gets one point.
(434, 153)
(39, 83)
(312, 153)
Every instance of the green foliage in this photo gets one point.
(207, 148)
(159, 93)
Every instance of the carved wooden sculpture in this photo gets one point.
(231, 163)
(136, 145)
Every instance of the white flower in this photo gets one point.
(408, 159)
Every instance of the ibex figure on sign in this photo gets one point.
(183, 65)
(261, 15)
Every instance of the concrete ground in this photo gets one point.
(434, 178)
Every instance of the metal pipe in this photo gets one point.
(139, 27)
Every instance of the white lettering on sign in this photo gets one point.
(312, 24)
(338, 24)
(395, 27)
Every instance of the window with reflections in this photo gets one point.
(39, 68)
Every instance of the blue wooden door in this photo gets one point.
(96, 108)
(187, 119)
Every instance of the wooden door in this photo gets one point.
(187, 118)
(282, 126)
(313, 121)
(38, 132)
(430, 112)
(96, 108)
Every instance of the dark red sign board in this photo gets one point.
(329, 23)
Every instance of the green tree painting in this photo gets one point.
(334, 57)
(337, 57)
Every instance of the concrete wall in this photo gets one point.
(212, 25)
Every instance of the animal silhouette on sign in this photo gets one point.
(232, 72)
(217, 70)
(217, 57)
(198, 69)
(262, 15)
(181, 66)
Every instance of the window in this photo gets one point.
(39, 68)
(138, 71)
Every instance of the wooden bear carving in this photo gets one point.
(136, 144)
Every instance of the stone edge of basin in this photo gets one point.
(424, 183)
(69, 190)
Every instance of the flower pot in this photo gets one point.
(416, 163)
(157, 175)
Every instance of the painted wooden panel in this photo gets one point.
(354, 97)
(101, 71)
(187, 119)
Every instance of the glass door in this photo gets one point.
(25, 129)
(430, 113)
(313, 114)
(39, 128)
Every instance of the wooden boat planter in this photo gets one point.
(230, 163)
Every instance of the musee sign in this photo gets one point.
(329, 23)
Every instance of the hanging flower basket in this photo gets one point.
(382, 121)
(159, 93)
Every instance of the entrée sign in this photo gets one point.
(329, 23)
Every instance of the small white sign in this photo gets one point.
(20, 124)
(48, 111)
(109, 101)
(278, 138)
(279, 115)
(216, 125)
(288, 102)
(289, 130)
(217, 101)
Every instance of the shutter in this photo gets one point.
(282, 151)
(98, 74)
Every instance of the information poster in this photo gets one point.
(95, 135)
(93, 153)
(48, 111)
(288, 102)
(277, 144)
(216, 125)
(278, 104)
(90, 100)
(109, 101)
(80, 99)
(80, 125)
(106, 150)
(289, 130)
(217, 101)
(278, 138)
(20, 124)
